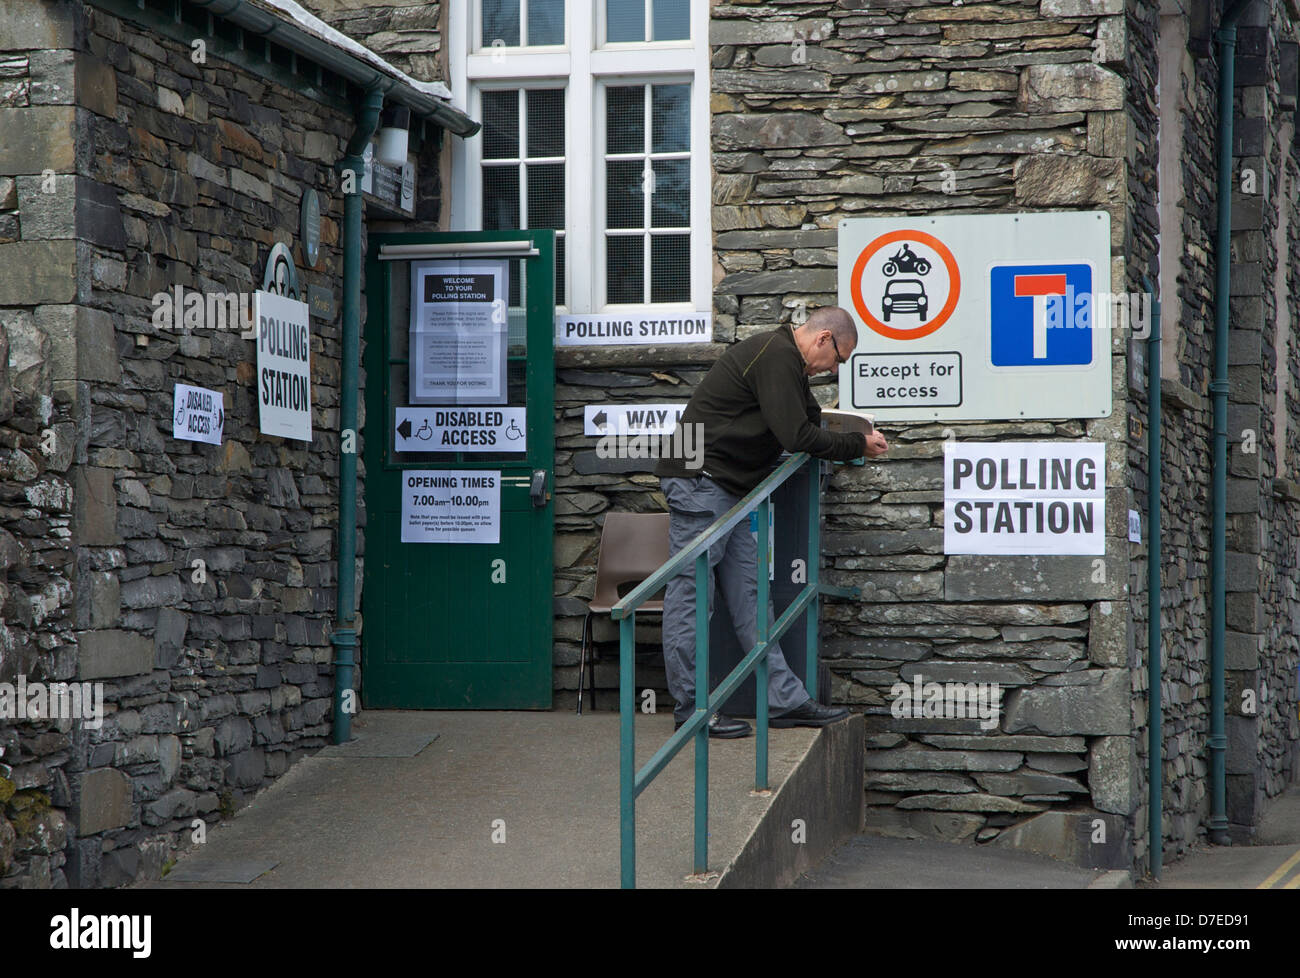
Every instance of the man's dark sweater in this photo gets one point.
(754, 403)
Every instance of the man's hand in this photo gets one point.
(876, 444)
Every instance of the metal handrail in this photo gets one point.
(633, 782)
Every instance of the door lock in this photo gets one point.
(537, 488)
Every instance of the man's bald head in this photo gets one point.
(838, 321)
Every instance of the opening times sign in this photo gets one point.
(451, 506)
(1024, 498)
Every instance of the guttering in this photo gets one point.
(421, 97)
(351, 169)
(1226, 36)
(1155, 742)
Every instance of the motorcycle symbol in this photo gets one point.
(906, 260)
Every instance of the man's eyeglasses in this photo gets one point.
(838, 357)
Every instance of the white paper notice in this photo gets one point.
(198, 414)
(458, 332)
(451, 506)
(283, 366)
(1024, 498)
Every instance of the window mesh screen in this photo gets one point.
(527, 191)
(545, 21)
(624, 20)
(500, 125)
(500, 22)
(647, 193)
(672, 20)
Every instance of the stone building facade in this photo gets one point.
(195, 582)
(818, 111)
(824, 111)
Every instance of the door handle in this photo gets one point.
(537, 488)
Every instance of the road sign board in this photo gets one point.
(978, 317)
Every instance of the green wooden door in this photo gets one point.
(463, 625)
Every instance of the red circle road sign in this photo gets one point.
(926, 328)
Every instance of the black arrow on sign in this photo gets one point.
(599, 419)
(404, 429)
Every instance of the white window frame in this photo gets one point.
(581, 67)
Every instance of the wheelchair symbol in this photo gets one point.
(424, 432)
(513, 432)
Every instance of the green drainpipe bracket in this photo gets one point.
(344, 641)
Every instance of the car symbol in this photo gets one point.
(905, 295)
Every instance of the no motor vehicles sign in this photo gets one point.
(987, 317)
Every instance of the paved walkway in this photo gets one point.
(876, 862)
(415, 801)
(872, 862)
(1272, 863)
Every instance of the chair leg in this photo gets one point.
(582, 660)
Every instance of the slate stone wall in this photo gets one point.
(1261, 651)
(1187, 432)
(408, 35)
(42, 434)
(217, 674)
(855, 110)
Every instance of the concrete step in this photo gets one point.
(418, 799)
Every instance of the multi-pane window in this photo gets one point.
(523, 167)
(595, 123)
(505, 23)
(647, 193)
(647, 20)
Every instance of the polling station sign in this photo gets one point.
(618, 329)
(460, 429)
(1024, 498)
(979, 317)
(283, 366)
(197, 414)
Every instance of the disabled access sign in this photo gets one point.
(978, 317)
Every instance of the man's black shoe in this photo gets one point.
(724, 727)
(809, 714)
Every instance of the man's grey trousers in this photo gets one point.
(692, 505)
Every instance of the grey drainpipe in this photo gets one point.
(344, 638)
(1226, 37)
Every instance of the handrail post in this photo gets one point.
(627, 751)
(702, 704)
(813, 573)
(760, 674)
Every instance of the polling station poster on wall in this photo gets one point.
(283, 366)
(451, 506)
(1024, 498)
(458, 331)
(197, 414)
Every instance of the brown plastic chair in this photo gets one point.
(632, 547)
